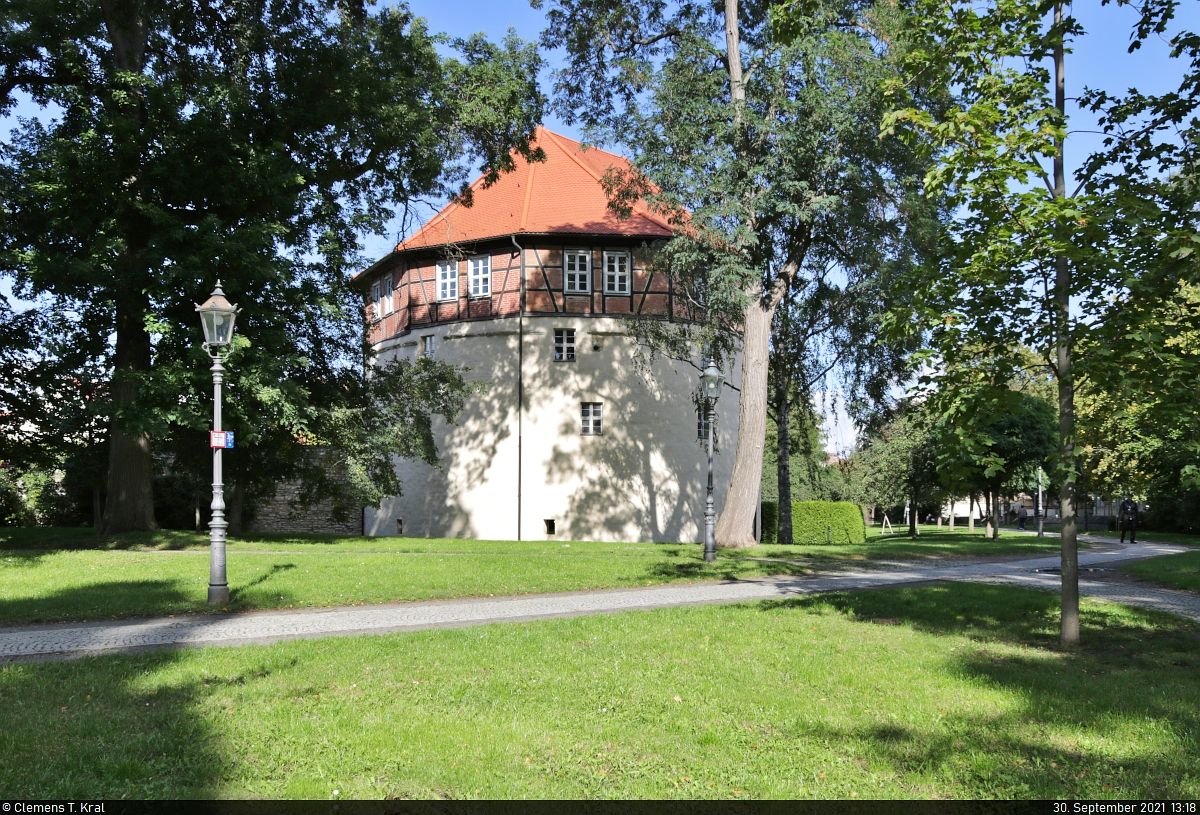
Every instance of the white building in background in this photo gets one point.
(569, 440)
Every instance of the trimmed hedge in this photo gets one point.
(813, 520)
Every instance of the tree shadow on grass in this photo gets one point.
(130, 726)
(119, 599)
(691, 566)
(104, 600)
(1135, 674)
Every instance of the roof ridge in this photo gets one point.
(586, 201)
(640, 210)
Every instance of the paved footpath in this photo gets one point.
(67, 640)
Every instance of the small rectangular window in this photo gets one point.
(375, 298)
(427, 345)
(577, 272)
(591, 418)
(386, 293)
(549, 522)
(447, 280)
(564, 344)
(480, 277)
(399, 526)
(616, 273)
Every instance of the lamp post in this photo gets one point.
(216, 317)
(710, 383)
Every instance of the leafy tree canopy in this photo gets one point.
(182, 142)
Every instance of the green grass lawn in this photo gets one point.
(1143, 535)
(51, 575)
(958, 691)
(1180, 571)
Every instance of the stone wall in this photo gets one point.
(284, 514)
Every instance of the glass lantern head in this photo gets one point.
(712, 380)
(216, 317)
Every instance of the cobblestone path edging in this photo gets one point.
(64, 640)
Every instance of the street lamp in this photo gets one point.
(216, 317)
(710, 385)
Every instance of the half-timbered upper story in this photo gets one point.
(540, 241)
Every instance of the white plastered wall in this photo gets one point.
(642, 479)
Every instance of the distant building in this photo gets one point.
(528, 288)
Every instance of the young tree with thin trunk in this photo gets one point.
(1038, 255)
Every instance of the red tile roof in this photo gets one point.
(561, 195)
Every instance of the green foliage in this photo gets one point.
(812, 519)
(897, 462)
(14, 506)
(997, 443)
(827, 521)
(248, 142)
(1043, 260)
(811, 478)
(770, 521)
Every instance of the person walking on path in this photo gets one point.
(1022, 514)
(1127, 515)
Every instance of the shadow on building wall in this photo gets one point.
(643, 478)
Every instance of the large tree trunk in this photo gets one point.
(129, 506)
(1069, 624)
(784, 468)
(735, 527)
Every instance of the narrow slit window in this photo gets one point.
(616, 273)
(592, 421)
(564, 344)
(427, 345)
(480, 278)
(399, 526)
(577, 268)
(447, 280)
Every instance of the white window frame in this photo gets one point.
(447, 281)
(591, 416)
(375, 298)
(614, 280)
(426, 348)
(479, 277)
(577, 280)
(388, 292)
(564, 345)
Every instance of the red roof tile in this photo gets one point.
(562, 195)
